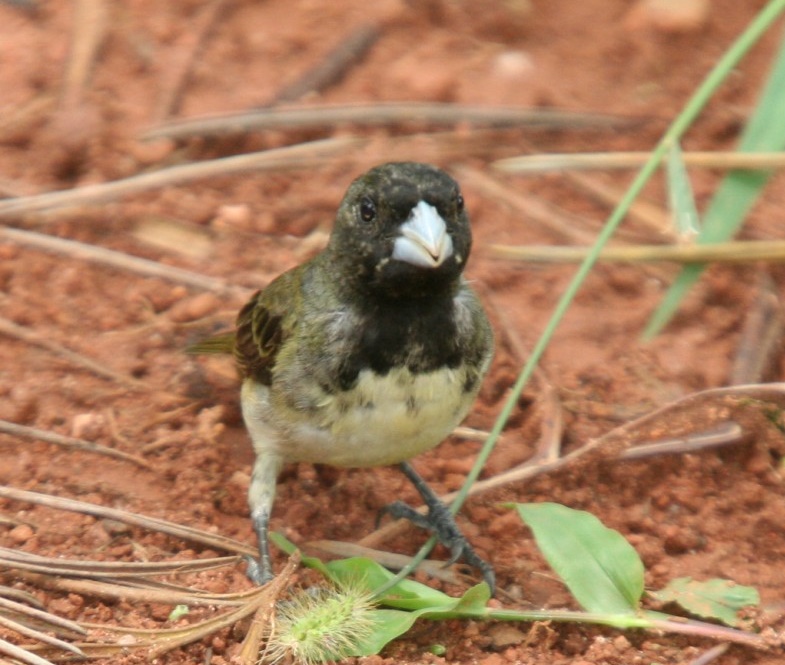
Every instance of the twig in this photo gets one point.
(761, 336)
(126, 570)
(371, 115)
(161, 640)
(115, 259)
(170, 528)
(300, 155)
(724, 434)
(349, 51)
(29, 336)
(529, 207)
(726, 252)
(89, 29)
(650, 215)
(25, 119)
(55, 622)
(711, 655)
(32, 633)
(115, 590)
(548, 445)
(542, 163)
(181, 63)
(15, 429)
(22, 654)
(264, 597)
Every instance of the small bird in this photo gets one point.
(372, 351)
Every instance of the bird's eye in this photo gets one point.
(367, 209)
(459, 203)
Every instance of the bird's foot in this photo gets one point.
(257, 572)
(441, 522)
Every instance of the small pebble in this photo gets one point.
(193, 308)
(21, 534)
(235, 215)
(88, 426)
(669, 16)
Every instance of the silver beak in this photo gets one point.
(424, 240)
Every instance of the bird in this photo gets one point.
(369, 353)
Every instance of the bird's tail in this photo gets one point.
(223, 343)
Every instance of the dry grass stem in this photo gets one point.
(21, 655)
(38, 635)
(55, 623)
(653, 218)
(117, 590)
(183, 56)
(114, 259)
(90, 22)
(370, 115)
(724, 434)
(333, 67)
(29, 336)
(596, 161)
(762, 335)
(161, 640)
(106, 569)
(563, 224)
(300, 155)
(548, 445)
(154, 524)
(22, 431)
(723, 252)
(710, 655)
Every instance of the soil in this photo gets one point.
(715, 513)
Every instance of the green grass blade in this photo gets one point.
(601, 569)
(681, 196)
(738, 190)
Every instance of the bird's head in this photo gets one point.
(402, 231)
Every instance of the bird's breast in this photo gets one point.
(383, 419)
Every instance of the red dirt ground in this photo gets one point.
(719, 513)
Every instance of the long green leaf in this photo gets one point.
(739, 189)
(601, 569)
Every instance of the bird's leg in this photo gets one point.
(261, 495)
(441, 522)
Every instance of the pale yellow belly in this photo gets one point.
(385, 420)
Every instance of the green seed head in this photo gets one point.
(318, 625)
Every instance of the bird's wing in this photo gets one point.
(264, 324)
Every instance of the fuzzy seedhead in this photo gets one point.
(320, 624)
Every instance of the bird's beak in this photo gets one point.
(424, 241)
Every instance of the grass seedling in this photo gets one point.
(600, 568)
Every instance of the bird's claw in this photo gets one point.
(256, 572)
(440, 521)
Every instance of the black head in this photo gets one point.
(402, 231)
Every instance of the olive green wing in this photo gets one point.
(266, 322)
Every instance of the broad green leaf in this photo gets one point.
(601, 569)
(727, 210)
(369, 575)
(405, 595)
(713, 599)
(388, 624)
